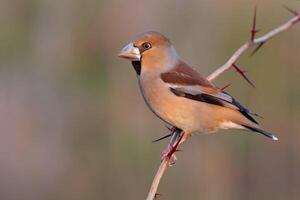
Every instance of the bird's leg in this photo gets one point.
(178, 137)
(185, 136)
(181, 140)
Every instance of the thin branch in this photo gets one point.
(174, 142)
(253, 42)
(163, 166)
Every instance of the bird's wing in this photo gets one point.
(188, 83)
(183, 74)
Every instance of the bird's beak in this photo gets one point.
(130, 52)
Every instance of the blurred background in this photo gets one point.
(74, 125)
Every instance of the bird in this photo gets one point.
(179, 95)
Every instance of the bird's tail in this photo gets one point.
(261, 131)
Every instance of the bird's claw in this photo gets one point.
(172, 160)
(169, 152)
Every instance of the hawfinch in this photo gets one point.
(181, 96)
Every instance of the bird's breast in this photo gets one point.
(176, 111)
(153, 94)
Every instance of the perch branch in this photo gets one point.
(174, 142)
(254, 42)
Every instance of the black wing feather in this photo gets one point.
(215, 101)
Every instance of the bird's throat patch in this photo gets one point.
(137, 66)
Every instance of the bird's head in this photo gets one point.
(151, 50)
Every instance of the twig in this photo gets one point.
(174, 142)
(253, 42)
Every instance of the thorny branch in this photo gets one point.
(174, 142)
(177, 134)
(258, 42)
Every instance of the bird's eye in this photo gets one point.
(146, 45)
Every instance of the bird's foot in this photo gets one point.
(169, 153)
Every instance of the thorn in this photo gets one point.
(163, 137)
(169, 128)
(178, 150)
(294, 12)
(226, 86)
(254, 30)
(242, 73)
(257, 48)
(157, 195)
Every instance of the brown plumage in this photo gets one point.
(178, 94)
(182, 74)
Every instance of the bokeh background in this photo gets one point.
(74, 125)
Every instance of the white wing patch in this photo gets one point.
(195, 89)
(229, 124)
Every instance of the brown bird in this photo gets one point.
(181, 96)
